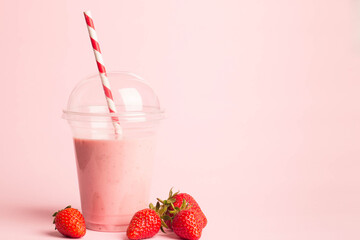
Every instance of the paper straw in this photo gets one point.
(102, 71)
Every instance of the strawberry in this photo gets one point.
(144, 224)
(70, 222)
(175, 201)
(187, 224)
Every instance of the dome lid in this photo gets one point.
(134, 99)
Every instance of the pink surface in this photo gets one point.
(262, 101)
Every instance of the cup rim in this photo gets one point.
(122, 116)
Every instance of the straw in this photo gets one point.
(102, 72)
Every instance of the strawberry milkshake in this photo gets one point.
(114, 169)
(114, 179)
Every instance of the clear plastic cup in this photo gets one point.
(114, 171)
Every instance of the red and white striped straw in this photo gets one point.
(102, 71)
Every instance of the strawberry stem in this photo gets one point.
(160, 200)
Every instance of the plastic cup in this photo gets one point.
(114, 171)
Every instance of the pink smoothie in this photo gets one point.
(114, 179)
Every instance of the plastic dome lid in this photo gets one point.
(135, 100)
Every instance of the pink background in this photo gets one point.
(262, 100)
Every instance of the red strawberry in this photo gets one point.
(144, 224)
(187, 224)
(70, 222)
(177, 200)
(192, 204)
